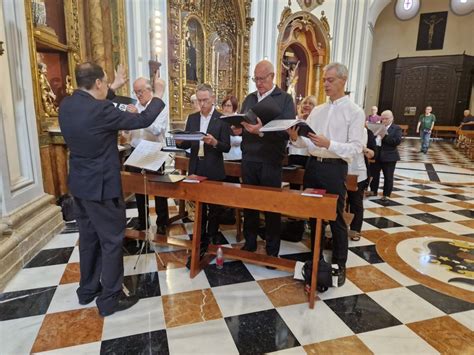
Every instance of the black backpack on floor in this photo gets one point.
(324, 274)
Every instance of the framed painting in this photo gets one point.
(431, 31)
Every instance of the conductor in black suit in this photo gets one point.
(386, 156)
(90, 125)
(262, 156)
(206, 157)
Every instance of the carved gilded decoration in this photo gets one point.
(303, 51)
(208, 41)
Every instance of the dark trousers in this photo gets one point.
(295, 159)
(331, 177)
(355, 201)
(262, 174)
(209, 222)
(388, 169)
(101, 232)
(161, 204)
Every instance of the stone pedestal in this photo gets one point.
(24, 232)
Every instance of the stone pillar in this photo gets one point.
(28, 216)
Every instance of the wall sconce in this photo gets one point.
(1, 48)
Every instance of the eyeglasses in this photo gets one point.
(261, 78)
(140, 92)
(227, 105)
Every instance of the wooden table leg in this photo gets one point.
(316, 251)
(196, 240)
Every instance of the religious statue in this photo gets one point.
(47, 94)
(39, 12)
(432, 22)
(191, 63)
(291, 78)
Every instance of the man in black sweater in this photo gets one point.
(262, 155)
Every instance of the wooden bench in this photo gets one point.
(404, 128)
(445, 132)
(277, 200)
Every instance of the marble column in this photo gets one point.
(28, 216)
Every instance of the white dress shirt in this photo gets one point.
(203, 125)
(293, 150)
(357, 166)
(261, 97)
(342, 122)
(154, 133)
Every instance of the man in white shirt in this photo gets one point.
(155, 133)
(339, 127)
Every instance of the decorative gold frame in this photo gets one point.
(229, 20)
(312, 34)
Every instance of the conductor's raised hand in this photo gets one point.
(120, 78)
(253, 128)
(293, 132)
(159, 85)
(319, 140)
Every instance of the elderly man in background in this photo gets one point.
(154, 133)
(338, 138)
(373, 117)
(387, 156)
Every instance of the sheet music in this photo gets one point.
(147, 155)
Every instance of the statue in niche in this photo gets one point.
(47, 95)
(39, 13)
(191, 63)
(291, 78)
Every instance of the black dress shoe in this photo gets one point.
(341, 275)
(248, 248)
(161, 229)
(123, 303)
(202, 252)
(87, 300)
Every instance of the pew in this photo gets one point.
(237, 196)
(445, 131)
(404, 128)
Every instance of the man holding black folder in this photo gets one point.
(338, 138)
(90, 125)
(206, 157)
(154, 133)
(263, 153)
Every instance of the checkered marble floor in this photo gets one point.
(398, 298)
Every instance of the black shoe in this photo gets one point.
(202, 252)
(341, 275)
(89, 299)
(161, 229)
(123, 303)
(246, 247)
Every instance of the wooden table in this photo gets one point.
(238, 196)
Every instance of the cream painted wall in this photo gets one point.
(393, 37)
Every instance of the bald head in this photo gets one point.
(263, 76)
(143, 90)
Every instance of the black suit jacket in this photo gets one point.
(90, 128)
(271, 148)
(212, 166)
(388, 152)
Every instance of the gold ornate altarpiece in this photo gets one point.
(208, 41)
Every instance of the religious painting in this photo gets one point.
(409, 111)
(194, 42)
(431, 31)
(309, 5)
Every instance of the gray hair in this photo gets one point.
(205, 87)
(341, 70)
(387, 113)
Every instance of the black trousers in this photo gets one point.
(161, 204)
(330, 176)
(262, 174)
(388, 169)
(355, 201)
(101, 232)
(295, 159)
